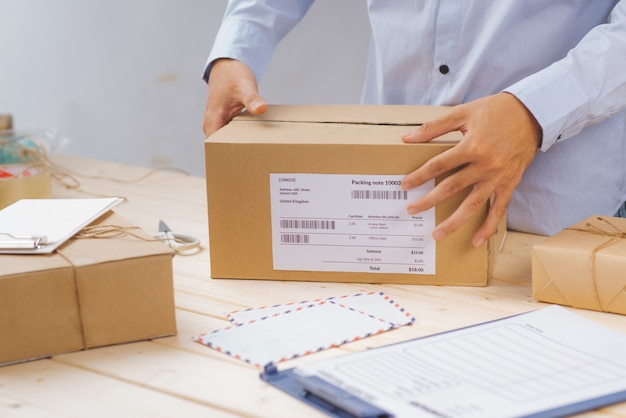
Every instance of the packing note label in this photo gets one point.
(349, 223)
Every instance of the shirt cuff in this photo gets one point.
(244, 41)
(556, 100)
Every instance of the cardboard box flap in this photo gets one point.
(22, 263)
(402, 115)
(269, 132)
(544, 286)
(344, 124)
(611, 262)
(88, 252)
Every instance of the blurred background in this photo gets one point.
(122, 78)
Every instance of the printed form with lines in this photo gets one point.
(351, 223)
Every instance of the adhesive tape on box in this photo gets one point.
(22, 181)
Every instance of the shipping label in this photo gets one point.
(349, 223)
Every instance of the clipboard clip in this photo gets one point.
(337, 400)
(321, 394)
(11, 242)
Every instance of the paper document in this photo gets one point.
(40, 226)
(350, 223)
(548, 362)
(270, 335)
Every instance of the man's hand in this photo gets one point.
(232, 87)
(500, 139)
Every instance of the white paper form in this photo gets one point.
(518, 366)
(55, 220)
(349, 223)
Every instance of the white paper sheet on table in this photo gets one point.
(55, 219)
(272, 334)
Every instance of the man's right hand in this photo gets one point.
(232, 87)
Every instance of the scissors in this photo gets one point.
(178, 242)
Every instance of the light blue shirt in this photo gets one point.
(565, 60)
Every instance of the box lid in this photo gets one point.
(11, 265)
(403, 115)
(332, 124)
(88, 251)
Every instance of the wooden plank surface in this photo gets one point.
(176, 376)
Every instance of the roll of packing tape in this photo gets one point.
(22, 181)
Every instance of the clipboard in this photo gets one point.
(586, 349)
(322, 395)
(40, 226)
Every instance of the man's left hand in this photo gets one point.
(500, 139)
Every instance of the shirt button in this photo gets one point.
(444, 69)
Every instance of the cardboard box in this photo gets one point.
(242, 157)
(6, 122)
(91, 292)
(583, 266)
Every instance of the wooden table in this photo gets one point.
(175, 376)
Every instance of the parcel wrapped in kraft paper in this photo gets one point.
(583, 266)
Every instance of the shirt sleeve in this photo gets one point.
(251, 30)
(585, 87)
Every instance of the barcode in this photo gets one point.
(294, 238)
(306, 224)
(380, 194)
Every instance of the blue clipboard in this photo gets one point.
(322, 395)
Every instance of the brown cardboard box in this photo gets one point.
(354, 140)
(91, 292)
(583, 266)
(6, 122)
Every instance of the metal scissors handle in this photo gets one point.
(178, 242)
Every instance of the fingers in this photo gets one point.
(217, 115)
(500, 139)
(435, 167)
(483, 184)
(255, 104)
(472, 205)
(435, 128)
(215, 119)
(231, 88)
(497, 211)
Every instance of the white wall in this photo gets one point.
(122, 78)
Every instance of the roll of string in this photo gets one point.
(24, 171)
